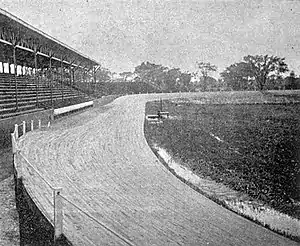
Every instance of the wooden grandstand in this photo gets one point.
(37, 71)
(32, 98)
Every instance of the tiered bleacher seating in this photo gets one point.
(62, 95)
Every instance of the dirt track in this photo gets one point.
(101, 159)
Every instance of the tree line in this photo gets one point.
(254, 72)
(259, 72)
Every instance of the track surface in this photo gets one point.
(104, 164)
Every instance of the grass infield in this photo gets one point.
(252, 148)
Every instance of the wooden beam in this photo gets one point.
(35, 75)
(50, 74)
(61, 77)
(15, 77)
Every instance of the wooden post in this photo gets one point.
(16, 131)
(15, 76)
(9, 71)
(36, 78)
(13, 143)
(9, 67)
(40, 124)
(51, 86)
(161, 105)
(52, 115)
(58, 213)
(24, 127)
(31, 125)
(70, 73)
(82, 75)
(18, 166)
(94, 78)
(61, 78)
(78, 72)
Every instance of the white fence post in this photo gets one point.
(24, 127)
(58, 213)
(13, 143)
(52, 115)
(31, 125)
(40, 124)
(16, 131)
(19, 166)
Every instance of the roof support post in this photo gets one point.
(71, 71)
(9, 68)
(15, 76)
(83, 75)
(50, 75)
(9, 71)
(69, 77)
(88, 81)
(74, 69)
(84, 79)
(94, 77)
(73, 76)
(36, 77)
(61, 78)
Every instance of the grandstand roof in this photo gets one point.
(28, 39)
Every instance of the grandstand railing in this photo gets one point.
(31, 177)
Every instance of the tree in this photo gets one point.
(275, 82)
(171, 79)
(163, 78)
(125, 75)
(255, 72)
(262, 67)
(291, 82)
(185, 81)
(204, 68)
(103, 75)
(238, 76)
(151, 73)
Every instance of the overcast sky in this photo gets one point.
(122, 34)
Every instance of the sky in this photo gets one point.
(177, 33)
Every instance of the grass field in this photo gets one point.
(252, 148)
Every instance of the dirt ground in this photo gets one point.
(103, 163)
(6, 166)
(9, 219)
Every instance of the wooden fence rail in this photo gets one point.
(58, 205)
